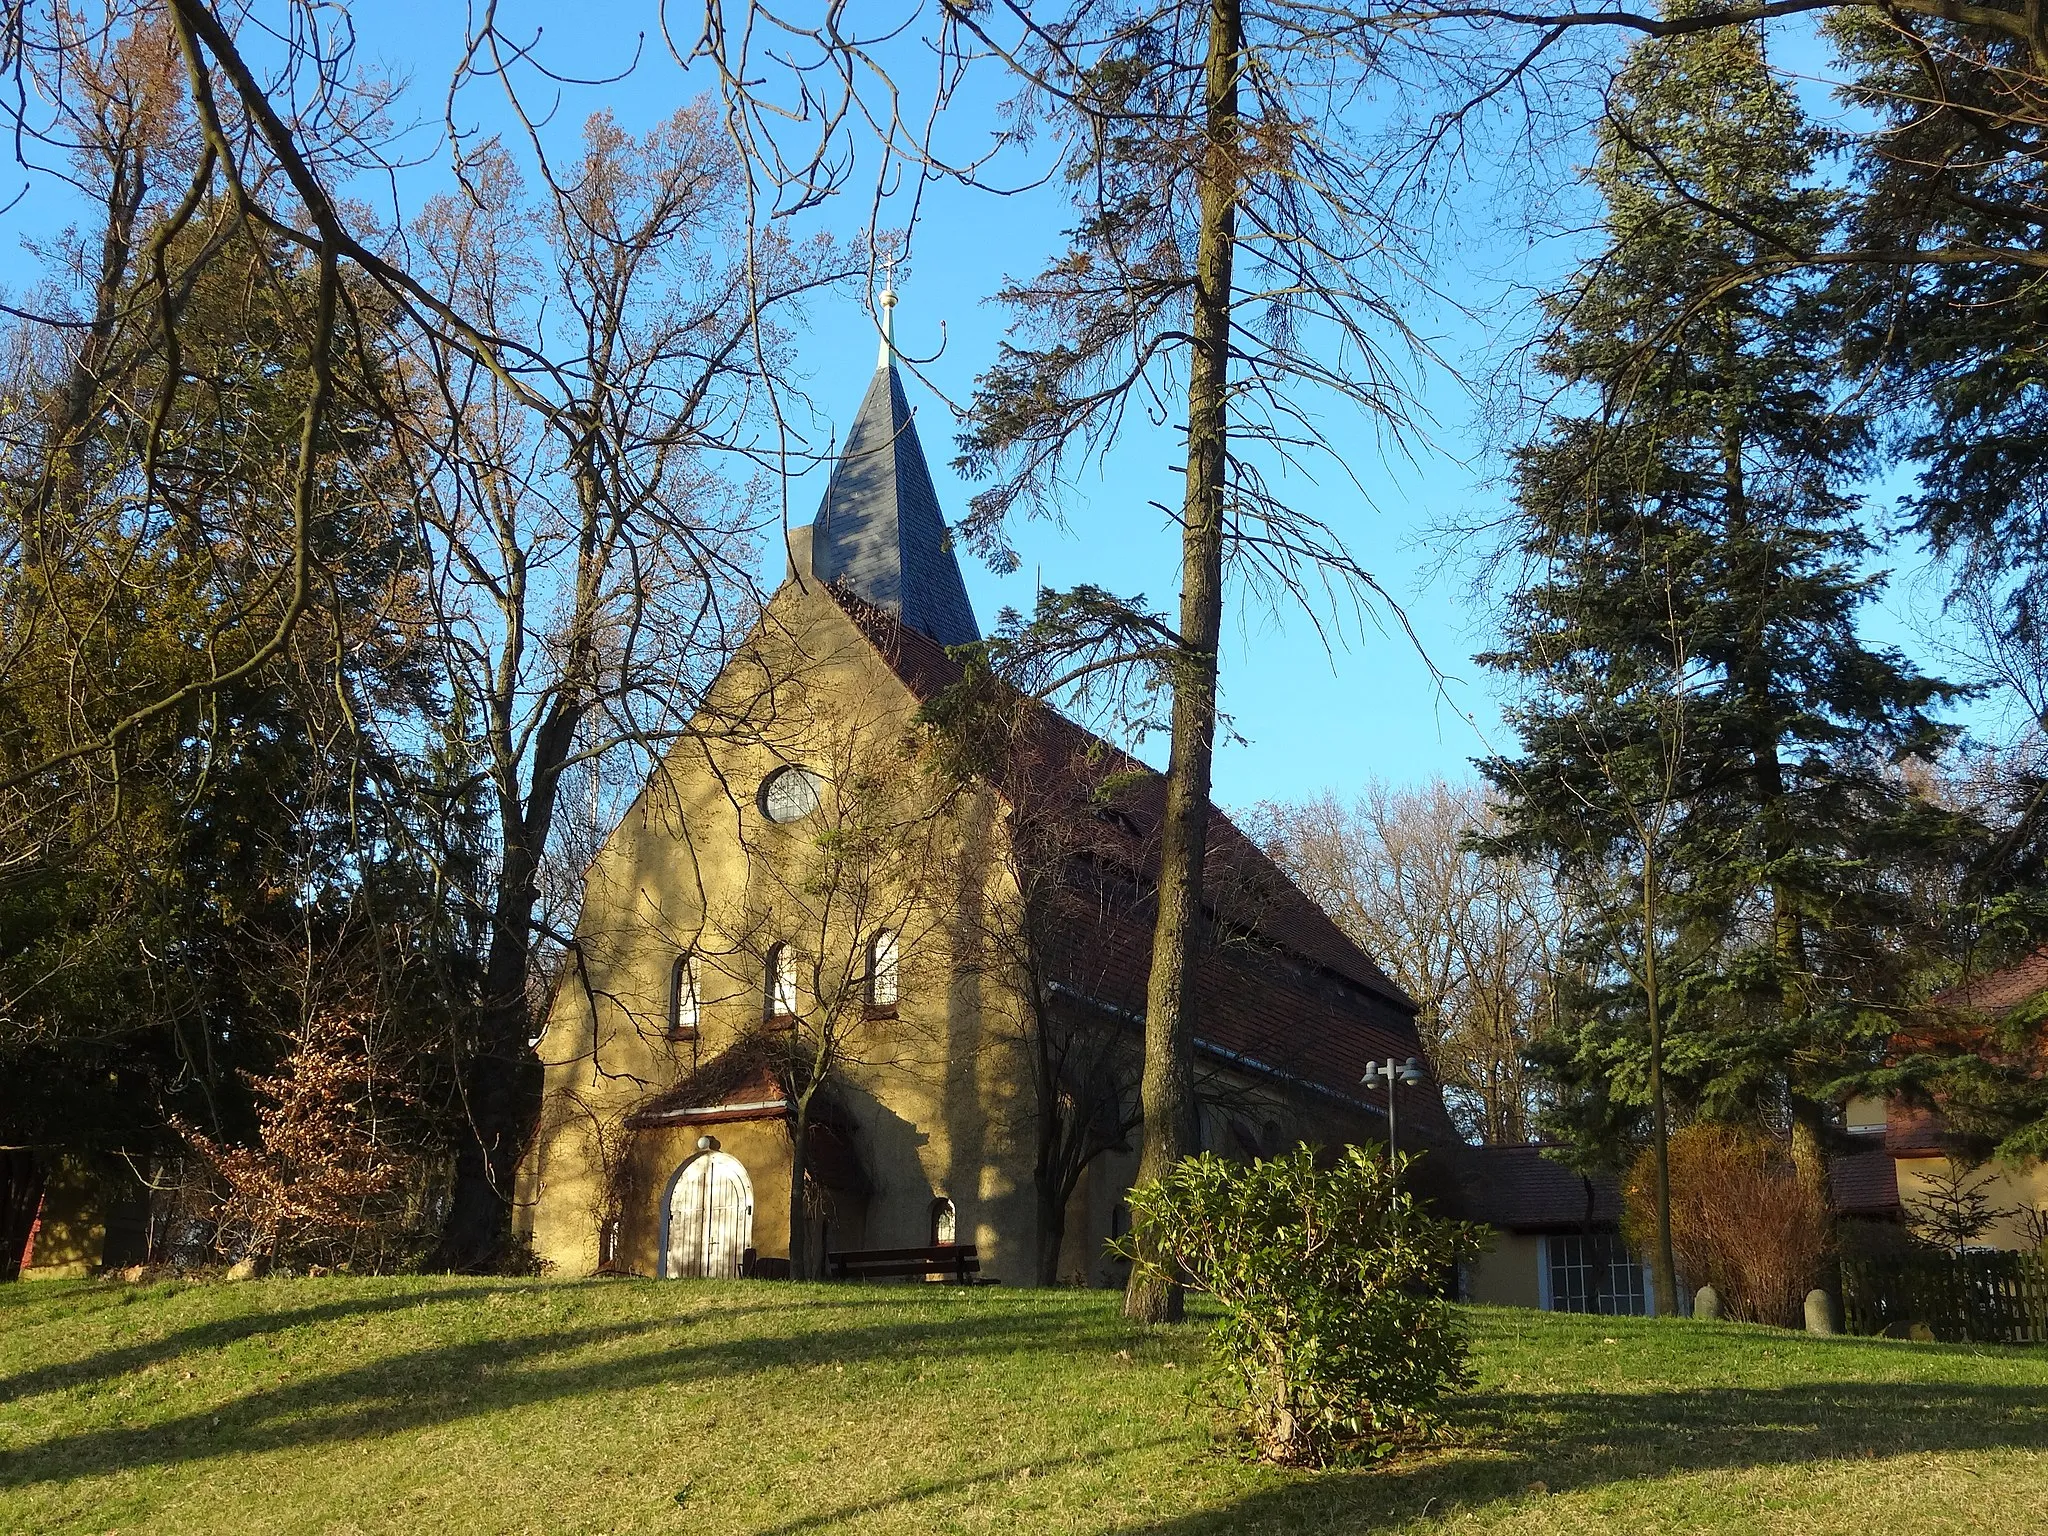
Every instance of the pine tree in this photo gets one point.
(1689, 642)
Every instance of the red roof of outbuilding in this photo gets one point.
(1864, 1183)
(1520, 1189)
(1962, 1022)
(1912, 1130)
(2000, 990)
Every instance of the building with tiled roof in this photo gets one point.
(1912, 1144)
(805, 949)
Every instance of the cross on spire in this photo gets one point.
(888, 311)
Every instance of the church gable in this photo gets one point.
(747, 907)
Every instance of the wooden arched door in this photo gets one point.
(710, 1218)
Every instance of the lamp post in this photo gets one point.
(1393, 1073)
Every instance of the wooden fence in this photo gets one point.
(1978, 1298)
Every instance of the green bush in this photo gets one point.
(1335, 1330)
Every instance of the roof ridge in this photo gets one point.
(919, 676)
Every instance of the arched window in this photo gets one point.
(682, 999)
(945, 1223)
(883, 969)
(778, 992)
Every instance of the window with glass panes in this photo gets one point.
(1594, 1273)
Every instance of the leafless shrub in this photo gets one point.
(1741, 1220)
(332, 1179)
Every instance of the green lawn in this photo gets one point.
(447, 1406)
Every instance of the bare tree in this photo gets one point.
(1474, 940)
(1236, 242)
(590, 562)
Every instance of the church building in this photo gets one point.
(864, 965)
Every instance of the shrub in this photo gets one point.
(1741, 1221)
(334, 1181)
(1335, 1333)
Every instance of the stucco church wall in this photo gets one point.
(932, 1091)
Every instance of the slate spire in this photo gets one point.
(879, 532)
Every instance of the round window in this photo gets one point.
(791, 794)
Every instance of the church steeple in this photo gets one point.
(879, 532)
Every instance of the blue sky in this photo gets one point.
(1312, 716)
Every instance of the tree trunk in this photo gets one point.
(1810, 1144)
(1045, 1172)
(501, 1079)
(1052, 1230)
(1168, 1086)
(800, 1262)
(1663, 1264)
(500, 1082)
(84, 393)
(1788, 929)
(1057, 1177)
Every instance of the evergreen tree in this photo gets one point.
(1707, 745)
(158, 932)
(1955, 166)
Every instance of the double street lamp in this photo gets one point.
(1393, 1073)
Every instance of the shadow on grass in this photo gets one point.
(1566, 1441)
(215, 1333)
(402, 1392)
(220, 1332)
(830, 1519)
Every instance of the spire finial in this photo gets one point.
(888, 311)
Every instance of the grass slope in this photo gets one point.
(450, 1406)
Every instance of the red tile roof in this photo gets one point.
(1260, 1006)
(742, 1083)
(1913, 1130)
(1963, 1022)
(739, 1083)
(1520, 1189)
(1864, 1183)
(1281, 987)
(2000, 990)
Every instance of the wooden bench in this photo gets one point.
(952, 1261)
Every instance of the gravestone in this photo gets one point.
(1706, 1304)
(1821, 1317)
